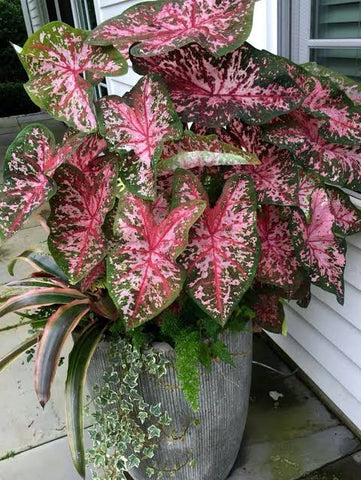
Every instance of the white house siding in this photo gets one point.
(34, 15)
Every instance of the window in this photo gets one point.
(325, 31)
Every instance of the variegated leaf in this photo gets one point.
(55, 57)
(247, 83)
(277, 265)
(347, 215)
(95, 274)
(221, 258)
(87, 151)
(198, 151)
(142, 275)
(308, 183)
(299, 133)
(340, 119)
(268, 308)
(26, 184)
(137, 125)
(346, 84)
(320, 252)
(156, 28)
(78, 210)
(276, 178)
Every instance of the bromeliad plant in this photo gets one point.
(209, 193)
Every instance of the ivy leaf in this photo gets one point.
(78, 210)
(277, 265)
(142, 275)
(137, 125)
(26, 183)
(248, 83)
(158, 27)
(55, 57)
(199, 151)
(320, 252)
(299, 133)
(276, 178)
(221, 258)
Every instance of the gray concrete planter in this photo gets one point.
(210, 437)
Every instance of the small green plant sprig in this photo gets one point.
(122, 417)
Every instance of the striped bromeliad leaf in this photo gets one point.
(79, 361)
(278, 264)
(348, 85)
(142, 275)
(248, 83)
(137, 125)
(155, 28)
(36, 297)
(40, 262)
(275, 179)
(318, 249)
(223, 251)
(199, 151)
(57, 330)
(78, 211)
(55, 57)
(300, 134)
(7, 359)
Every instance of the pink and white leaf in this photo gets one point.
(55, 57)
(142, 274)
(156, 28)
(200, 151)
(137, 125)
(26, 184)
(318, 249)
(278, 265)
(247, 83)
(221, 258)
(347, 215)
(86, 152)
(78, 211)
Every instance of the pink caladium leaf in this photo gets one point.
(26, 183)
(200, 151)
(277, 265)
(347, 215)
(156, 28)
(137, 125)
(248, 83)
(308, 183)
(86, 152)
(95, 274)
(55, 57)
(318, 249)
(78, 210)
(267, 305)
(276, 178)
(299, 133)
(142, 274)
(340, 119)
(221, 258)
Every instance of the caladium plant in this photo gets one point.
(215, 186)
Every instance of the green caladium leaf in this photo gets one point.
(155, 28)
(79, 361)
(318, 249)
(249, 84)
(55, 57)
(78, 212)
(223, 251)
(142, 275)
(57, 330)
(199, 151)
(137, 125)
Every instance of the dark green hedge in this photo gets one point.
(13, 98)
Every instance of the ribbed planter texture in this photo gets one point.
(212, 436)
